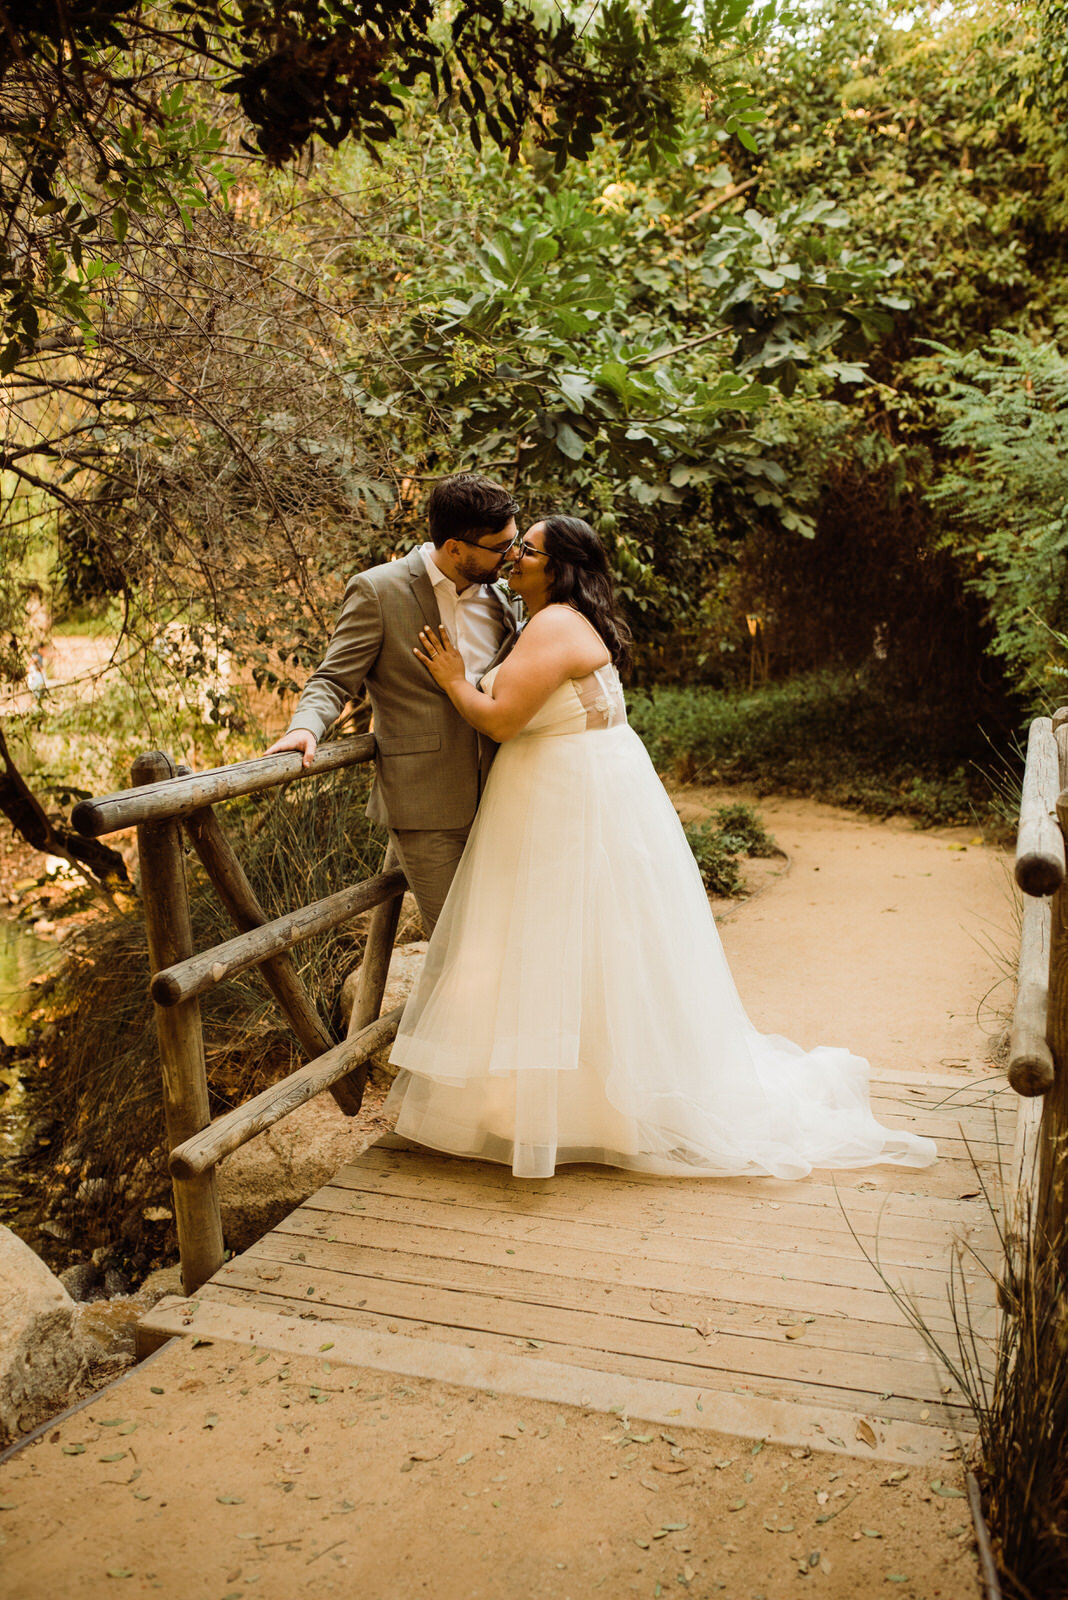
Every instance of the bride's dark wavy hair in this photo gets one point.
(579, 576)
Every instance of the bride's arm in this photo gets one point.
(553, 646)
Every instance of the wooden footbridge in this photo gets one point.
(767, 1309)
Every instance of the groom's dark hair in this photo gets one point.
(466, 506)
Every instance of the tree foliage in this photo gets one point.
(941, 133)
(96, 121)
(232, 374)
(1006, 407)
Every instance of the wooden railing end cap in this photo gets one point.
(1039, 873)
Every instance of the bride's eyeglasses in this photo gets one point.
(522, 548)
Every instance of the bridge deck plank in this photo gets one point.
(675, 1294)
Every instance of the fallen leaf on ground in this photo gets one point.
(866, 1433)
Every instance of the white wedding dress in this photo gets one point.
(576, 1004)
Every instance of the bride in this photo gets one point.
(575, 1003)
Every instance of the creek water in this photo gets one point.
(22, 957)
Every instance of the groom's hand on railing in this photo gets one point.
(301, 739)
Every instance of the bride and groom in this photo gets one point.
(575, 1003)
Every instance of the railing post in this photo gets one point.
(374, 970)
(181, 1043)
(1053, 1157)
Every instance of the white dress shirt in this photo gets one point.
(473, 617)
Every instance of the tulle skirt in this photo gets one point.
(576, 1004)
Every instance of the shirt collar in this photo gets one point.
(437, 577)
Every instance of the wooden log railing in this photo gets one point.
(168, 806)
(1038, 1051)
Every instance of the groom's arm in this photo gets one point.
(351, 653)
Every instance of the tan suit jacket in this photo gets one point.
(430, 764)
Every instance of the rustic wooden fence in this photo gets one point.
(1038, 1052)
(169, 805)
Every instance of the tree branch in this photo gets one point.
(104, 867)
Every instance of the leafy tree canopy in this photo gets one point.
(99, 119)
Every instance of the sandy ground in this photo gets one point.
(224, 1472)
(215, 1472)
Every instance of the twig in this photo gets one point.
(335, 1544)
(713, 205)
(982, 1538)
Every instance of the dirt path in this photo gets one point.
(224, 1472)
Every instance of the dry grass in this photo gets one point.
(97, 1158)
(1017, 1390)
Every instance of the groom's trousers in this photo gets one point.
(429, 858)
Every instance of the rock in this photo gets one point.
(116, 1283)
(83, 1281)
(106, 1332)
(404, 967)
(56, 1230)
(165, 1280)
(275, 1172)
(39, 1360)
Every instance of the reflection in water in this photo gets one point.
(22, 956)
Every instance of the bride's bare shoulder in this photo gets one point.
(556, 621)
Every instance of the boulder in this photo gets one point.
(404, 967)
(272, 1174)
(83, 1281)
(40, 1361)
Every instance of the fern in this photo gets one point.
(1008, 428)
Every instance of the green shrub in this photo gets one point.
(719, 843)
(834, 737)
(742, 830)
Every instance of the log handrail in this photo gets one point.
(210, 967)
(1038, 1053)
(182, 795)
(220, 862)
(228, 1133)
(166, 804)
(1030, 1059)
(1040, 861)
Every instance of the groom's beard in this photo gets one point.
(472, 574)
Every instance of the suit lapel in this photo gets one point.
(422, 588)
(509, 614)
(510, 618)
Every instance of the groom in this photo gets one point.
(430, 765)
